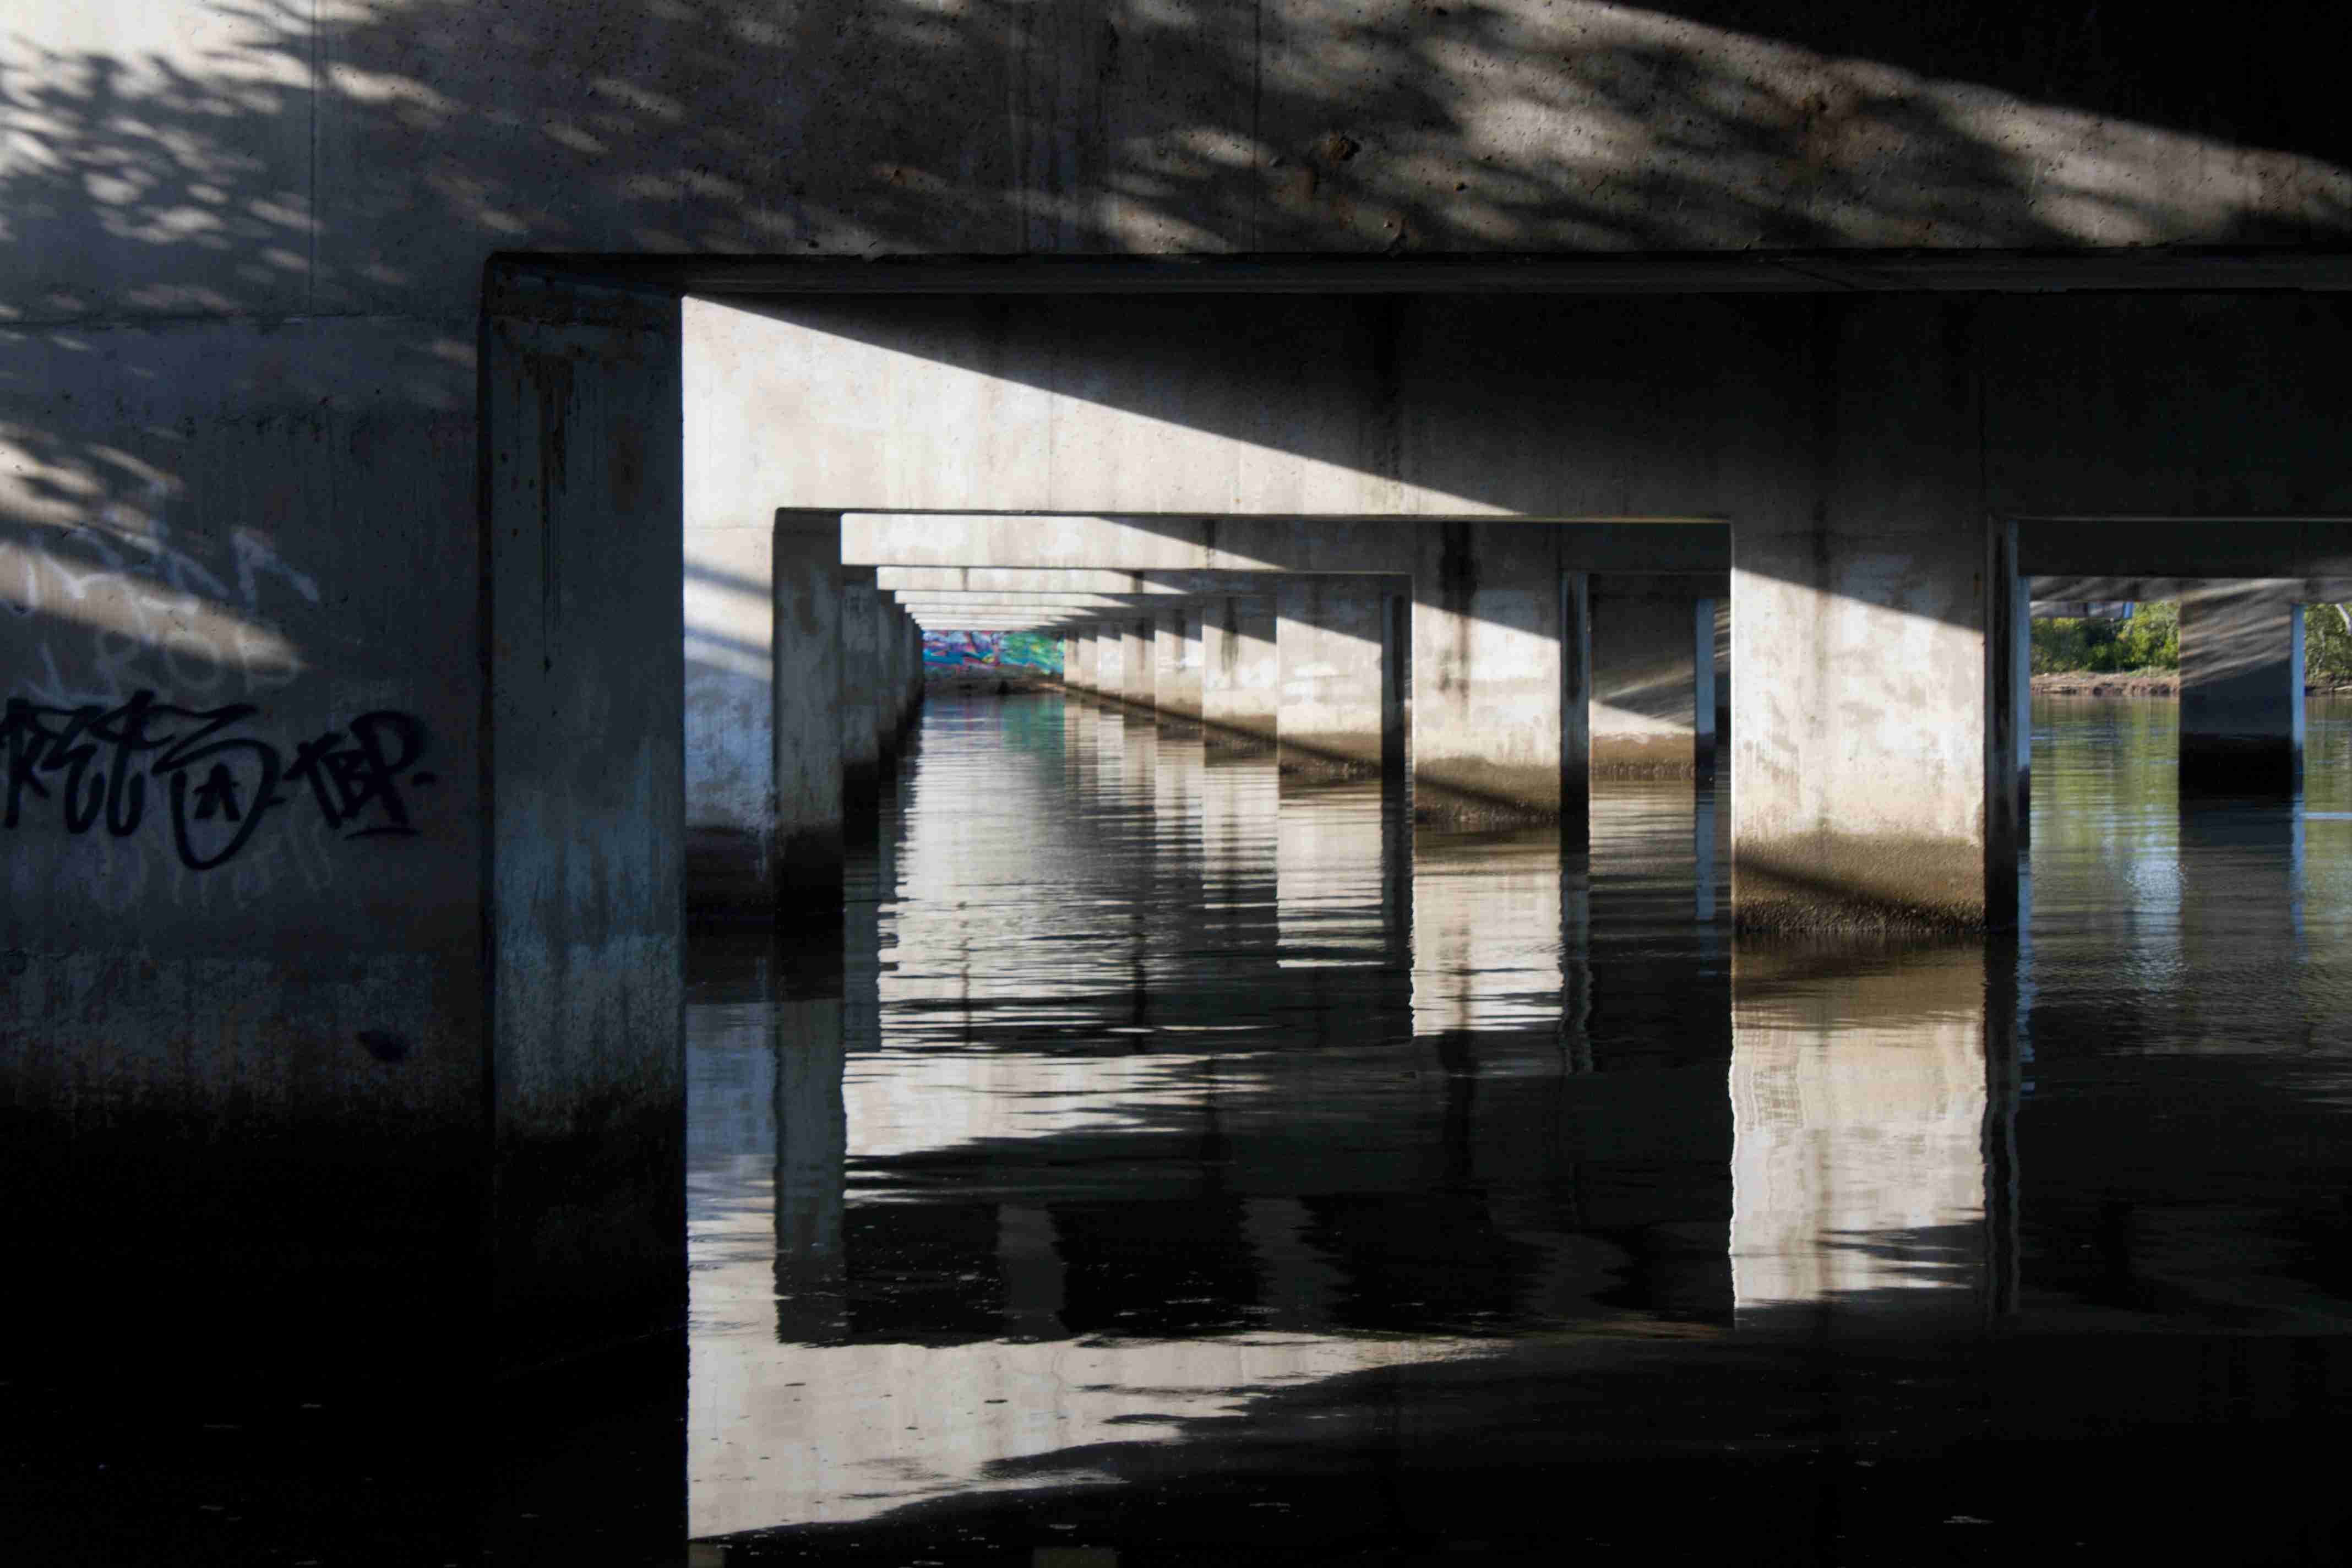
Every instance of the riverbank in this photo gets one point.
(982, 679)
(2108, 683)
(2136, 683)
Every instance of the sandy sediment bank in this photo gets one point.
(2133, 683)
(2089, 683)
(982, 680)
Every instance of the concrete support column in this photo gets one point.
(2241, 688)
(1240, 669)
(762, 753)
(910, 673)
(885, 683)
(1495, 729)
(808, 731)
(1177, 674)
(1110, 660)
(2021, 648)
(1331, 636)
(1874, 756)
(1139, 647)
(1652, 702)
(861, 751)
(731, 738)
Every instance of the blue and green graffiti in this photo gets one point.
(994, 650)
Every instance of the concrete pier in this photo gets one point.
(1498, 714)
(862, 718)
(1332, 637)
(2241, 708)
(1241, 669)
(1138, 662)
(731, 730)
(1875, 681)
(1654, 700)
(1176, 658)
(1110, 661)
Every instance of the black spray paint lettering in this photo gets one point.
(219, 785)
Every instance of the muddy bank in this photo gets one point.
(979, 680)
(2088, 683)
(2137, 683)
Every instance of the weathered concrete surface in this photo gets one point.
(730, 732)
(1574, 126)
(1000, 580)
(1499, 723)
(1110, 661)
(1139, 661)
(1241, 669)
(1652, 704)
(1873, 771)
(2241, 675)
(1176, 661)
(197, 1061)
(861, 697)
(1331, 637)
(586, 793)
(808, 712)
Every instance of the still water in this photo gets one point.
(1193, 1163)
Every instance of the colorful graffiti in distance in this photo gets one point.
(1028, 650)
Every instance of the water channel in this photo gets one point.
(1193, 1163)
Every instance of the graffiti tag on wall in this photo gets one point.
(92, 766)
(1029, 650)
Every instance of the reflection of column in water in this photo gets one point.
(1035, 1276)
(1239, 811)
(2242, 893)
(1298, 1283)
(1489, 912)
(1859, 1096)
(1078, 749)
(811, 1147)
(1328, 853)
(1659, 985)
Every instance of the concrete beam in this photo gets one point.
(1161, 543)
(2143, 590)
(1110, 603)
(2094, 550)
(1017, 580)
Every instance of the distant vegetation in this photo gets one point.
(2150, 641)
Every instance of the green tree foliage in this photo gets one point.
(2326, 646)
(2150, 640)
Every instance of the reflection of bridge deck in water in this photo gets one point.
(1180, 1115)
